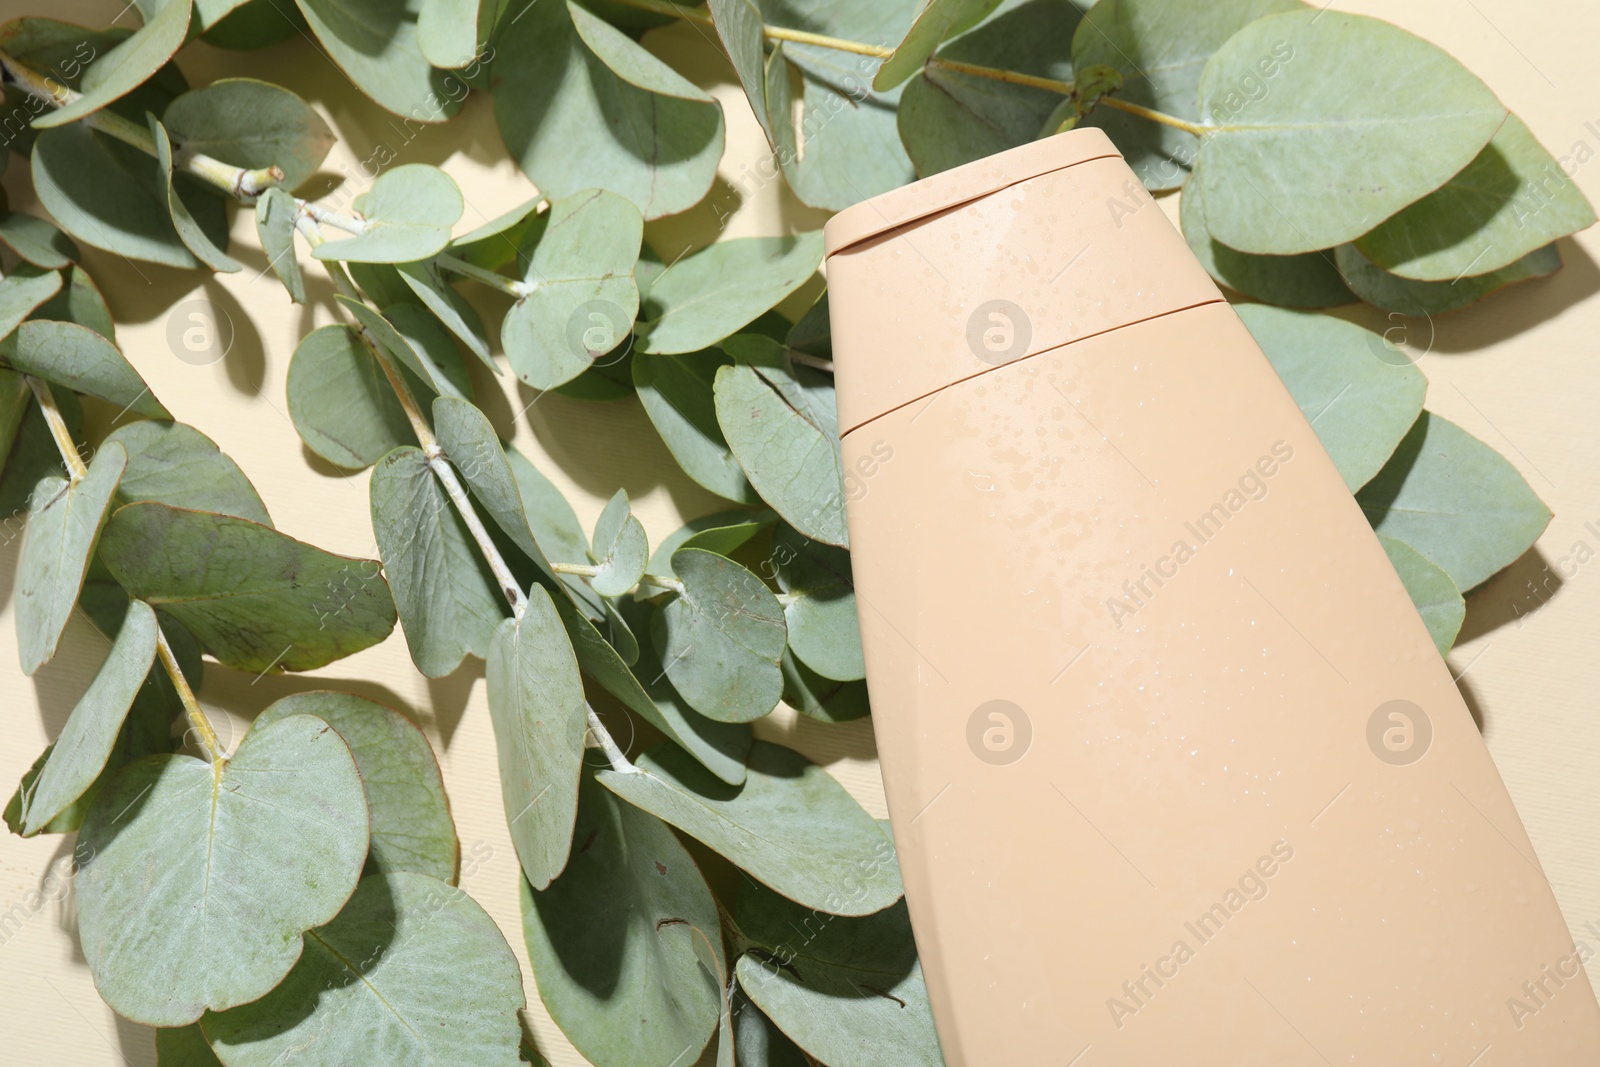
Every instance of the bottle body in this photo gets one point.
(1172, 764)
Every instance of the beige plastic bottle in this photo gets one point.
(1174, 770)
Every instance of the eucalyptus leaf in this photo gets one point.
(474, 449)
(1431, 590)
(566, 79)
(554, 525)
(36, 241)
(676, 394)
(453, 33)
(212, 253)
(1509, 202)
(537, 707)
(174, 463)
(66, 354)
(79, 301)
(22, 292)
(250, 24)
(937, 22)
(1455, 500)
(375, 43)
(850, 991)
(1394, 293)
(34, 454)
(1326, 153)
(254, 598)
(613, 940)
(419, 359)
(790, 826)
(495, 243)
(821, 698)
(247, 854)
(1308, 280)
(90, 734)
(739, 28)
(620, 548)
(340, 402)
(430, 342)
(759, 1042)
(1359, 397)
(412, 971)
(821, 610)
(126, 66)
(721, 638)
(449, 604)
(722, 533)
(407, 215)
(583, 299)
(184, 1046)
(251, 124)
(406, 806)
(784, 432)
(710, 294)
(458, 316)
(275, 226)
(65, 520)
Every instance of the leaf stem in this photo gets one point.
(614, 755)
(1157, 116)
(582, 570)
(772, 33)
(662, 581)
(191, 705)
(58, 429)
(509, 286)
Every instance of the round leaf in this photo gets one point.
(821, 698)
(621, 548)
(207, 248)
(704, 297)
(1431, 590)
(375, 43)
(275, 224)
(128, 65)
(1394, 293)
(77, 357)
(721, 638)
(176, 464)
(821, 609)
(408, 213)
(342, 405)
(36, 240)
(676, 394)
(936, 23)
(246, 854)
(22, 292)
(251, 124)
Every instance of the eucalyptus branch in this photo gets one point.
(614, 755)
(589, 570)
(509, 286)
(661, 581)
(58, 429)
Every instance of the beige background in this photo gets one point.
(1516, 370)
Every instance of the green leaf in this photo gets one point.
(275, 223)
(90, 734)
(783, 428)
(676, 394)
(460, 317)
(80, 359)
(621, 548)
(474, 449)
(79, 301)
(426, 358)
(947, 118)
(495, 243)
(937, 22)
(412, 971)
(721, 533)
(790, 826)
(821, 610)
(537, 707)
(65, 520)
(128, 65)
(554, 525)
(406, 806)
(1431, 590)
(407, 215)
(583, 299)
(108, 195)
(581, 106)
(613, 940)
(721, 638)
(375, 43)
(16, 396)
(430, 342)
(453, 33)
(704, 297)
(22, 291)
(212, 252)
(252, 124)
(449, 603)
(184, 1046)
(1510, 201)
(739, 27)
(254, 598)
(760, 1043)
(227, 862)
(36, 240)
(1308, 280)
(251, 24)
(1394, 293)
(340, 402)
(849, 991)
(33, 454)
(1325, 152)
(174, 463)
(821, 698)
(1359, 396)
(1455, 500)
(64, 51)
(1160, 48)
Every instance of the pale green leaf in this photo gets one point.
(64, 522)
(458, 316)
(581, 106)
(758, 1041)
(254, 598)
(36, 240)
(583, 300)
(1394, 293)
(184, 1046)
(1510, 201)
(340, 402)
(80, 359)
(251, 124)
(410, 817)
(453, 33)
(407, 216)
(174, 463)
(1359, 395)
(721, 638)
(201, 878)
(128, 65)
(821, 698)
(474, 449)
(495, 243)
(22, 292)
(448, 601)
(676, 394)
(375, 43)
(739, 28)
(275, 226)
(537, 707)
(706, 296)
(556, 531)
(821, 609)
(1431, 590)
(721, 533)
(937, 22)
(620, 548)
(436, 365)
(1325, 153)
(79, 301)
(1455, 500)
(613, 940)
(790, 826)
(90, 734)
(212, 253)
